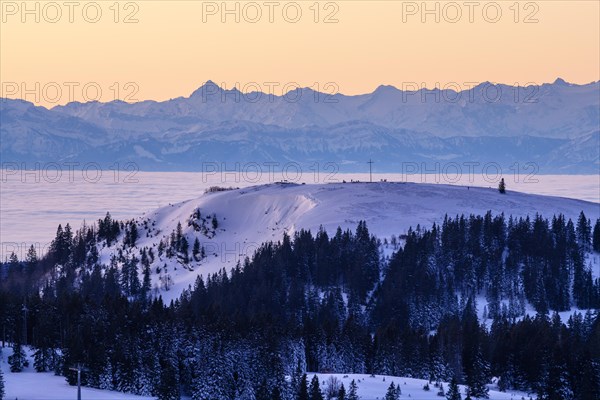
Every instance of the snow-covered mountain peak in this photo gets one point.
(560, 81)
(209, 87)
(531, 123)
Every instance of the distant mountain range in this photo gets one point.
(555, 125)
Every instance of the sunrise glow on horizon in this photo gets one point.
(53, 53)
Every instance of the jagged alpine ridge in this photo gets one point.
(554, 125)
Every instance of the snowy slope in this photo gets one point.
(251, 216)
(31, 385)
(374, 387)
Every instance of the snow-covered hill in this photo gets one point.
(246, 218)
(374, 387)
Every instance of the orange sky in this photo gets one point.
(177, 45)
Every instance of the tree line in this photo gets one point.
(472, 298)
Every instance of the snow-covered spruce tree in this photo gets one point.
(441, 392)
(393, 392)
(105, 380)
(596, 236)
(169, 380)
(478, 378)
(18, 360)
(438, 368)
(43, 359)
(211, 385)
(588, 382)
(295, 356)
(183, 250)
(341, 393)
(353, 391)
(314, 390)
(502, 186)
(146, 284)
(556, 383)
(475, 366)
(223, 374)
(147, 370)
(134, 278)
(1, 385)
(31, 259)
(453, 391)
(196, 250)
(276, 394)
(584, 232)
(262, 391)
(302, 393)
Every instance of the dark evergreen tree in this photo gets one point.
(168, 385)
(262, 392)
(176, 240)
(596, 236)
(276, 394)
(453, 391)
(14, 264)
(556, 382)
(303, 389)
(133, 234)
(146, 283)
(441, 392)
(393, 392)
(588, 379)
(184, 249)
(341, 393)
(58, 246)
(134, 278)
(475, 366)
(353, 391)
(584, 232)
(196, 252)
(314, 391)
(478, 379)
(18, 359)
(67, 244)
(502, 186)
(2, 392)
(44, 359)
(31, 259)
